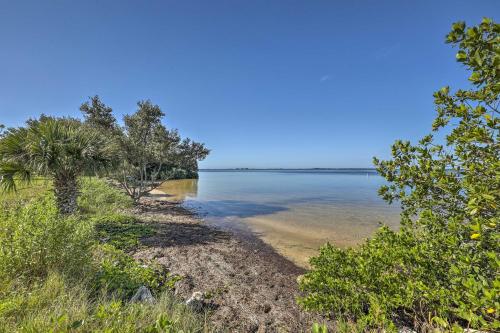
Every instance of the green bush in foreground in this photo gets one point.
(58, 306)
(36, 240)
(57, 276)
(441, 270)
(121, 275)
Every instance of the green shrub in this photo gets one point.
(442, 269)
(35, 240)
(54, 277)
(58, 306)
(121, 231)
(423, 279)
(98, 197)
(121, 275)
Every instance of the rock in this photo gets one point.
(143, 295)
(196, 301)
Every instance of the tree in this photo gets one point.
(454, 188)
(189, 153)
(59, 148)
(149, 154)
(97, 114)
(442, 268)
(147, 146)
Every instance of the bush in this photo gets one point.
(121, 275)
(55, 277)
(57, 306)
(441, 270)
(121, 231)
(35, 240)
(98, 197)
(401, 277)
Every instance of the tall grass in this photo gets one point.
(36, 240)
(55, 305)
(56, 276)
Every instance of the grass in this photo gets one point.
(122, 231)
(73, 274)
(54, 305)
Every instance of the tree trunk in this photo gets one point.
(66, 192)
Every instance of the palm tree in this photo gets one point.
(59, 148)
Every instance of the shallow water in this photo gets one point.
(295, 211)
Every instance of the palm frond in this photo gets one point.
(53, 146)
(10, 173)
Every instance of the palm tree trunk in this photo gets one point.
(66, 192)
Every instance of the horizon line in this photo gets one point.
(368, 168)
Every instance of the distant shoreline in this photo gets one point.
(288, 169)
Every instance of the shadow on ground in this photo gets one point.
(184, 234)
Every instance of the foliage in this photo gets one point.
(179, 173)
(188, 153)
(147, 147)
(317, 328)
(36, 240)
(148, 151)
(121, 231)
(98, 197)
(54, 277)
(58, 306)
(98, 115)
(442, 268)
(59, 148)
(120, 274)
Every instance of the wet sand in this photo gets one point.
(285, 230)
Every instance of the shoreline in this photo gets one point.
(253, 230)
(250, 286)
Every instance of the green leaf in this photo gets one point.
(461, 55)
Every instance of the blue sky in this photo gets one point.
(262, 83)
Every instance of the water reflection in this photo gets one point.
(180, 189)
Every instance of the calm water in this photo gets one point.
(295, 211)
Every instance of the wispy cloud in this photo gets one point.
(324, 78)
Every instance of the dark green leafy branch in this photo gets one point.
(441, 269)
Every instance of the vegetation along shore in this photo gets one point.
(87, 245)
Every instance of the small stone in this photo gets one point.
(143, 295)
(196, 301)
